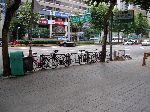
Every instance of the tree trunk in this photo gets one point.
(106, 23)
(10, 10)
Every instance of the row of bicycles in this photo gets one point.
(55, 59)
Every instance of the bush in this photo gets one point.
(85, 42)
(26, 42)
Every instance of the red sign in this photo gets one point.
(43, 21)
(59, 22)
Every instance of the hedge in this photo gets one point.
(39, 41)
(85, 42)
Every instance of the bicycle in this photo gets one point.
(40, 62)
(59, 59)
(94, 56)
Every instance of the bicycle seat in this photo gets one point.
(81, 50)
(55, 51)
(34, 53)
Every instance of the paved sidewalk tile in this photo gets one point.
(118, 86)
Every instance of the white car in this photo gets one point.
(63, 38)
(129, 42)
(146, 43)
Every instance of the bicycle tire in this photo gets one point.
(35, 65)
(46, 63)
(53, 63)
(67, 60)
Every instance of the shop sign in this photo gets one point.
(46, 12)
(43, 21)
(51, 21)
(61, 14)
(59, 22)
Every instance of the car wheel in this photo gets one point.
(74, 45)
(65, 45)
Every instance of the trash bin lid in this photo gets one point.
(16, 55)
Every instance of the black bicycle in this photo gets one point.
(40, 62)
(59, 59)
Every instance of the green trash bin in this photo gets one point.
(16, 63)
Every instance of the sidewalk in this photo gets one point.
(118, 86)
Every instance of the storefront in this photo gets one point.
(56, 21)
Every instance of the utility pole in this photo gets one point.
(69, 38)
(110, 38)
(30, 37)
(18, 32)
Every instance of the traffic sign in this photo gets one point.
(124, 16)
(82, 19)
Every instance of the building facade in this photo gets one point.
(55, 15)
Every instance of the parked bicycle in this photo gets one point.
(59, 59)
(40, 62)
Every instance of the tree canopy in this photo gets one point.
(144, 4)
(22, 19)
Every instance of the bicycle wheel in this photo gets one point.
(46, 63)
(35, 65)
(80, 59)
(67, 60)
(53, 63)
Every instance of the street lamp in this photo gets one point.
(69, 23)
(110, 36)
(17, 32)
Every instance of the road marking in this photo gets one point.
(80, 46)
(127, 49)
(72, 50)
(44, 49)
(23, 48)
(116, 45)
(54, 47)
(142, 47)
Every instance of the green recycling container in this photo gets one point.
(16, 63)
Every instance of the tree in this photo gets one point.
(119, 26)
(23, 19)
(109, 13)
(141, 24)
(90, 32)
(97, 14)
(11, 8)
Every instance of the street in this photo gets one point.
(117, 86)
(134, 50)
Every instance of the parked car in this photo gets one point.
(145, 43)
(63, 41)
(62, 38)
(129, 42)
(67, 43)
(0, 43)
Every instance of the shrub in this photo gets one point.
(85, 42)
(39, 42)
